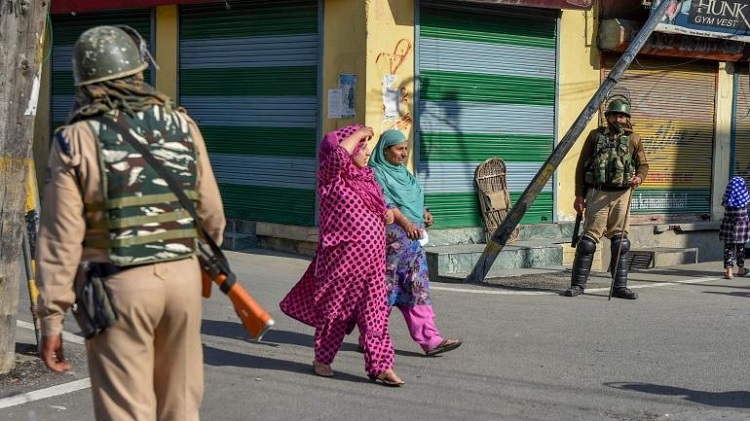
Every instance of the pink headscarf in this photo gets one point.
(360, 180)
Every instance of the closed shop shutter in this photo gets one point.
(249, 76)
(65, 31)
(487, 87)
(673, 107)
(741, 126)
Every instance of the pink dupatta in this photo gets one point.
(299, 302)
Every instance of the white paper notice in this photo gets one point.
(334, 103)
(390, 96)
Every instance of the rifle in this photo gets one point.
(577, 228)
(215, 269)
(214, 265)
(576, 231)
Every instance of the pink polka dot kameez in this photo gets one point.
(345, 283)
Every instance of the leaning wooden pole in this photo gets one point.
(21, 40)
(504, 231)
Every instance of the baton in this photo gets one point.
(619, 248)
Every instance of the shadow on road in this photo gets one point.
(235, 330)
(738, 294)
(733, 399)
(221, 358)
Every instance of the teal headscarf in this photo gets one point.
(399, 186)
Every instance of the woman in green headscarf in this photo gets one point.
(406, 261)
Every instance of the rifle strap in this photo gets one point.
(118, 126)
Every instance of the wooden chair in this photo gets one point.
(494, 199)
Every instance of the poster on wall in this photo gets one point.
(726, 19)
(347, 85)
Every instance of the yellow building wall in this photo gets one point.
(390, 68)
(167, 41)
(344, 47)
(579, 78)
(373, 40)
(722, 162)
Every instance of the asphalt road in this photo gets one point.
(680, 352)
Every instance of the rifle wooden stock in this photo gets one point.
(255, 320)
(205, 283)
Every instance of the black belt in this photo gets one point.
(105, 270)
(609, 189)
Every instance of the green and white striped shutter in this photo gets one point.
(249, 77)
(65, 31)
(487, 87)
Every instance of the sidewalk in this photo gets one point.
(557, 279)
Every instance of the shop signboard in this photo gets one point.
(544, 4)
(725, 19)
(81, 6)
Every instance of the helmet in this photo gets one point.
(618, 106)
(107, 52)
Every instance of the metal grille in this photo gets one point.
(673, 111)
(741, 125)
(487, 84)
(249, 76)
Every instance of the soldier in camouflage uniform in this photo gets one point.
(611, 165)
(106, 206)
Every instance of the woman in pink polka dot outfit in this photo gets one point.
(345, 283)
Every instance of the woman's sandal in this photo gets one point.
(445, 346)
(387, 378)
(322, 370)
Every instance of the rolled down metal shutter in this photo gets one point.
(741, 125)
(65, 31)
(249, 76)
(673, 107)
(487, 86)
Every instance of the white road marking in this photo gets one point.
(49, 392)
(492, 291)
(515, 292)
(70, 337)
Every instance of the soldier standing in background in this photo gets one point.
(611, 165)
(105, 206)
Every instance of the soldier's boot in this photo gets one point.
(619, 268)
(581, 266)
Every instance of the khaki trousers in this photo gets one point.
(606, 213)
(149, 365)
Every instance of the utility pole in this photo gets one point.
(504, 231)
(22, 24)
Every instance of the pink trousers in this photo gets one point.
(420, 320)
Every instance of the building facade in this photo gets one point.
(467, 80)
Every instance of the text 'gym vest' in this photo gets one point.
(144, 219)
(611, 166)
